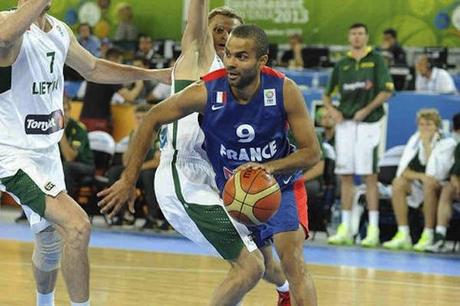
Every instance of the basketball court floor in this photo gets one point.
(167, 270)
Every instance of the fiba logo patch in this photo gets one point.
(269, 97)
(49, 186)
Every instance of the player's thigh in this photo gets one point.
(344, 144)
(63, 211)
(289, 246)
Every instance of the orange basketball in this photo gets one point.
(252, 196)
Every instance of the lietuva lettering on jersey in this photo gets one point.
(44, 124)
(44, 88)
(257, 154)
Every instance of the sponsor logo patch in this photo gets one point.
(44, 124)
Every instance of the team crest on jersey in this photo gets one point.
(221, 100)
(269, 97)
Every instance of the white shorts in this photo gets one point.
(190, 201)
(356, 144)
(28, 176)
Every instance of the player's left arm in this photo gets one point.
(308, 150)
(102, 71)
(385, 87)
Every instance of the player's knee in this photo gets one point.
(48, 250)
(430, 185)
(78, 235)
(257, 267)
(399, 184)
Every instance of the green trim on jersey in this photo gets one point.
(27, 191)
(375, 159)
(359, 82)
(5, 79)
(212, 221)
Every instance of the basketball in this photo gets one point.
(252, 196)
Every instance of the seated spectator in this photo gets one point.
(449, 193)
(88, 40)
(145, 49)
(126, 30)
(76, 155)
(106, 45)
(292, 58)
(325, 121)
(96, 112)
(391, 49)
(425, 163)
(433, 79)
(146, 178)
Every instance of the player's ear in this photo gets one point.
(263, 60)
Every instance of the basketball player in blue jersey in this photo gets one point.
(185, 181)
(33, 49)
(245, 110)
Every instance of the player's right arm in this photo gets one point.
(13, 25)
(190, 100)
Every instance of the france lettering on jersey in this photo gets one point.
(31, 91)
(255, 132)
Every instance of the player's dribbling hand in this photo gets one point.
(116, 196)
(254, 166)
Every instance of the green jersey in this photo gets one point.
(77, 136)
(359, 82)
(456, 168)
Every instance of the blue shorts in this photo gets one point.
(293, 212)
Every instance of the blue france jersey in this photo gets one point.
(255, 132)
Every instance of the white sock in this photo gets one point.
(429, 232)
(45, 299)
(284, 287)
(404, 229)
(80, 304)
(346, 218)
(374, 218)
(441, 230)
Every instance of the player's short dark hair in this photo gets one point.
(255, 33)
(456, 122)
(225, 11)
(358, 25)
(113, 52)
(392, 32)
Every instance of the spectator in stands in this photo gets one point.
(96, 112)
(145, 49)
(433, 79)
(126, 30)
(292, 58)
(450, 192)
(106, 45)
(76, 155)
(326, 121)
(364, 84)
(391, 48)
(425, 163)
(146, 178)
(88, 40)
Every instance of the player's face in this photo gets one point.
(221, 27)
(326, 120)
(358, 38)
(427, 128)
(241, 61)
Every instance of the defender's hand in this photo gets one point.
(117, 195)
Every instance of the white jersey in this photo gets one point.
(31, 91)
(185, 135)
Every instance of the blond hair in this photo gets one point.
(429, 114)
(225, 11)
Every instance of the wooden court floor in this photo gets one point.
(120, 277)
